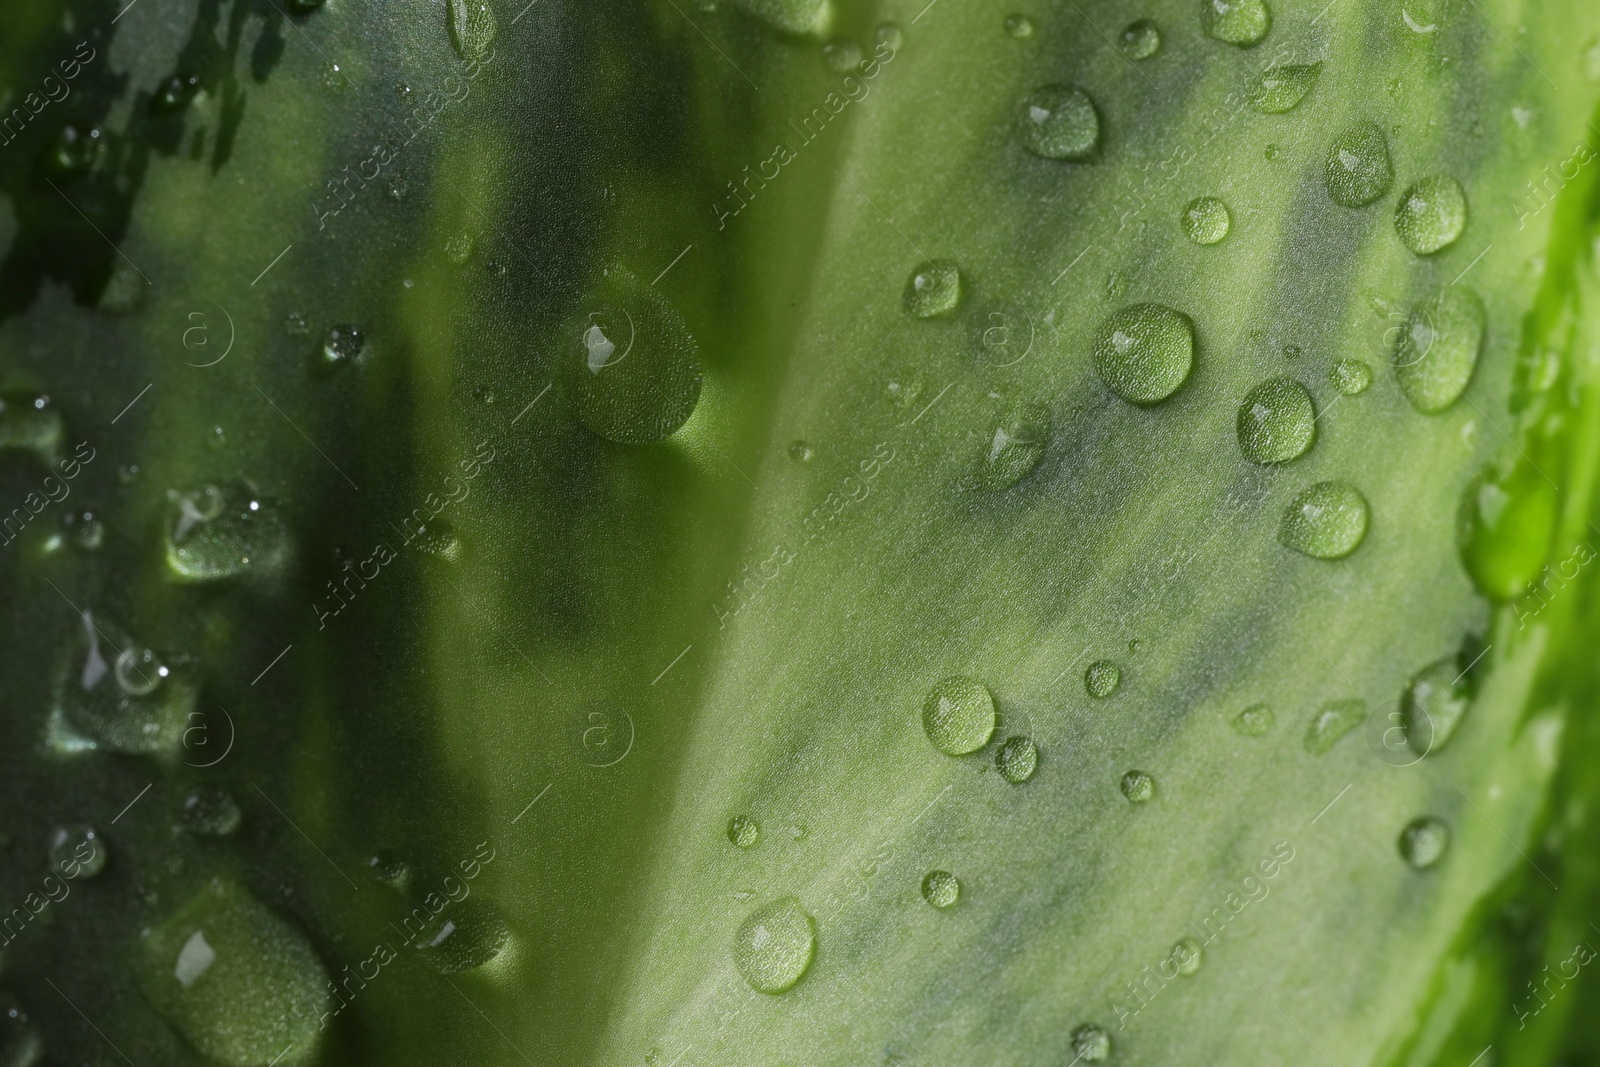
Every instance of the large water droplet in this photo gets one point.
(1433, 705)
(1240, 22)
(1140, 39)
(744, 831)
(1017, 760)
(1138, 787)
(116, 693)
(1358, 170)
(1351, 376)
(1437, 350)
(1060, 122)
(1508, 513)
(941, 888)
(1091, 1044)
(1281, 88)
(77, 851)
(472, 27)
(1431, 214)
(217, 532)
(210, 811)
(775, 946)
(1144, 352)
(241, 984)
(1276, 422)
(1206, 220)
(1423, 842)
(1254, 721)
(632, 363)
(958, 716)
(1326, 521)
(1331, 722)
(1012, 449)
(933, 289)
(1102, 678)
(463, 937)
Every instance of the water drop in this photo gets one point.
(1206, 220)
(76, 851)
(1508, 513)
(210, 811)
(1254, 721)
(941, 888)
(958, 716)
(1060, 122)
(1012, 449)
(744, 831)
(889, 35)
(1431, 214)
(472, 28)
(1138, 787)
(632, 363)
(458, 249)
(389, 869)
(800, 452)
(342, 346)
(240, 983)
(1271, 152)
(1091, 1044)
(1423, 842)
(1102, 678)
(1351, 376)
(1358, 170)
(1277, 422)
(116, 693)
(1140, 39)
(1326, 521)
(463, 937)
(775, 946)
(174, 94)
(1019, 26)
(74, 151)
(933, 289)
(1432, 706)
(30, 422)
(1437, 348)
(1332, 721)
(1281, 88)
(841, 54)
(791, 16)
(1017, 760)
(1187, 957)
(1144, 352)
(20, 1043)
(1240, 22)
(215, 533)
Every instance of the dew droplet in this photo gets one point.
(74, 150)
(791, 16)
(1432, 706)
(1140, 39)
(1091, 1044)
(1012, 450)
(1276, 422)
(1060, 122)
(1358, 170)
(632, 363)
(1144, 352)
(342, 347)
(941, 889)
(1423, 842)
(744, 831)
(115, 692)
(1508, 513)
(1017, 759)
(1206, 220)
(30, 422)
(1281, 88)
(1331, 722)
(76, 851)
(1437, 348)
(889, 35)
(1431, 214)
(1254, 721)
(1138, 787)
(958, 716)
(1326, 521)
(389, 869)
(800, 452)
(1102, 678)
(215, 533)
(458, 249)
(1351, 376)
(174, 94)
(1240, 22)
(933, 289)
(472, 28)
(464, 937)
(841, 54)
(775, 946)
(210, 811)
(20, 1043)
(1187, 957)
(237, 981)
(1019, 26)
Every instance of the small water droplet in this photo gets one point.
(1206, 220)
(1326, 521)
(20, 1043)
(1140, 39)
(76, 851)
(1091, 1044)
(463, 938)
(958, 716)
(1351, 376)
(1431, 214)
(889, 35)
(215, 533)
(1019, 26)
(1060, 122)
(30, 422)
(1508, 513)
(472, 27)
(1138, 787)
(294, 324)
(1017, 760)
(389, 869)
(775, 946)
(1187, 957)
(941, 889)
(1144, 352)
(342, 346)
(1331, 722)
(1437, 348)
(800, 452)
(841, 54)
(458, 249)
(744, 831)
(1281, 88)
(933, 289)
(1276, 422)
(116, 693)
(1009, 452)
(75, 150)
(1240, 22)
(1358, 170)
(210, 811)
(1272, 152)
(1423, 842)
(1254, 721)
(1102, 678)
(1433, 705)
(174, 94)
